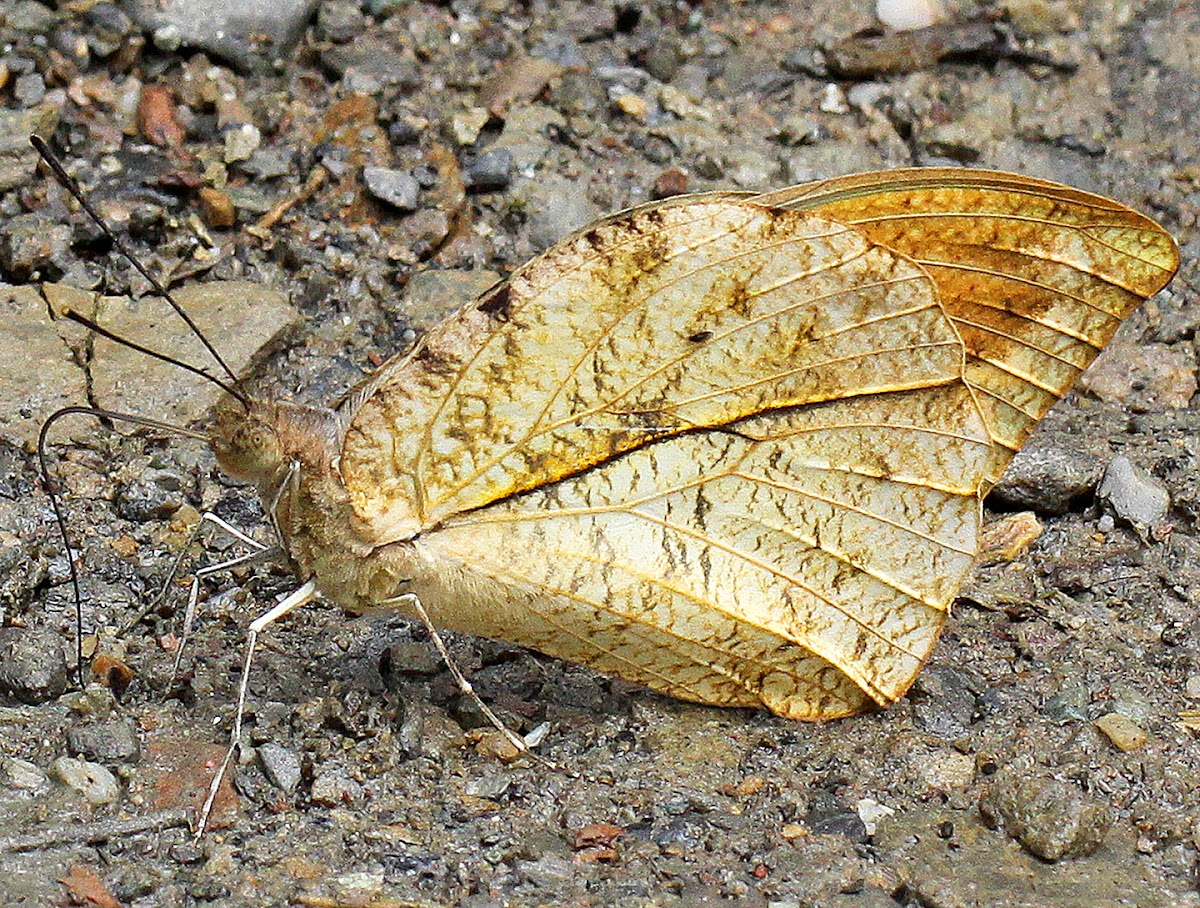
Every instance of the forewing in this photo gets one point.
(1036, 276)
(690, 314)
(803, 560)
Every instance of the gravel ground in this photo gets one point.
(396, 157)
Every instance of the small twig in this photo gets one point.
(93, 833)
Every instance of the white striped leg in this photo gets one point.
(292, 600)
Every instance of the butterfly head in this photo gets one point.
(246, 440)
(259, 440)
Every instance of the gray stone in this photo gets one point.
(30, 17)
(491, 171)
(944, 700)
(32, 246)
(828, 816)
(488, 785)
(18, 160)
(266, 164)
(375, 60)
(33, 666)
(113, 740)
(91, 780)
(526, 135)
(554, 206)
(432, 295)
(1052, 819)
(340, 21)
(411, 657)
(333, 788)
(396, 187)
(248, 34)
(22, 776)
(281, 764)
(1132, 494)
(29, 395)
(149, 494)
(108, 28)
(1049, 478)
(29, 90)
(1143, 378)
(550, 872)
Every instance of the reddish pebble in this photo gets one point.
(670, 182)
(156, 117)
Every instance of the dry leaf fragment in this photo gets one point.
(87, 888)
(1008, 538)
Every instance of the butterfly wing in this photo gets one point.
(669, 319)
(802, 560)
(1036, 276)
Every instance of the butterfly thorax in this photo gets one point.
(290, 453)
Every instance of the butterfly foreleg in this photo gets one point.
(259, 552)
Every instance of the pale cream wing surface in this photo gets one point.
(687, 314)
(1036, 276)
(801, 560)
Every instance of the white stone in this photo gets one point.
(908, 15)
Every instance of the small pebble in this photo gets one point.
(396, 187)
(466, 125)
(550, 872)
(113, 740)
(1125, 734)
(216, 208)
(33, 666)
(828, 816)
(1051, 818)
(633, 105)
(1132, 494)
(491, 171)
(1191, 687)
(1008, 538)
(909, 15)
(30, 246)
(281, 764)
(333, 788)
(947, 770)
(833, 100)
(672, 181)
(21, 775)
(167, 38)
(91, 780)
(29, 90)
(241, 142)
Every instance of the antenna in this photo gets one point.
(69, 183)
(74, 316)
(52, 492)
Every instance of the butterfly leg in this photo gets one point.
(293, 600)
(522, 744)
(259, 553)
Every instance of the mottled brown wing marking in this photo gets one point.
(802, 560)
(1036, 276)
(595, 358)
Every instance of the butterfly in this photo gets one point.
(729, 446)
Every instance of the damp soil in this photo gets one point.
(1002, 778)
